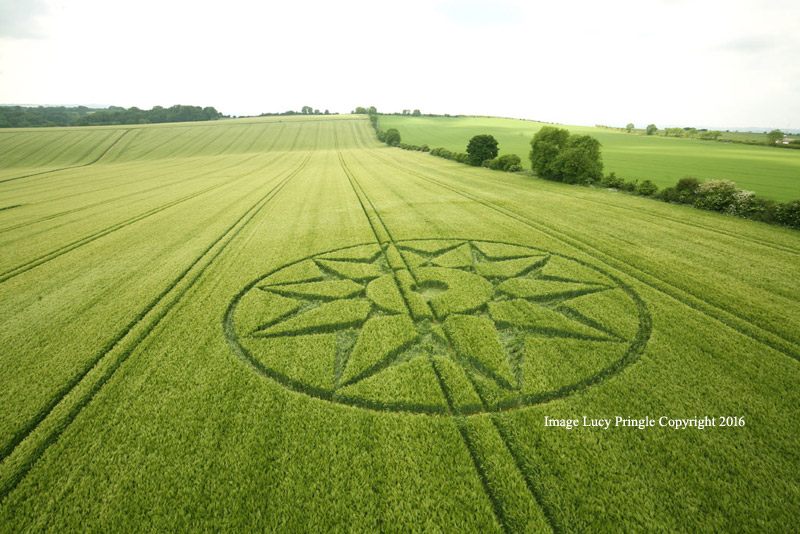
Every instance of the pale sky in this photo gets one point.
(726, 63)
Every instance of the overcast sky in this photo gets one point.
(720, 63)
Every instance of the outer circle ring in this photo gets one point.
(632, 354)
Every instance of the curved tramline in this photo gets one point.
(177, 165)
(35, 262)
(322, 333)
(30, 154)
(17, 458)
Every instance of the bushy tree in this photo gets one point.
(669, 194)
(416, 113)
(480, 148)
(715, 195)
(506, 161)
(788, 214)
(686, 189)
(580, 160)
(613, 181)
(629, 127)
(744, 203)
(556, 155)
(647, 188)
(712, 135)
(392, 137)
(774, 136)
(545, 146)
(652, 129)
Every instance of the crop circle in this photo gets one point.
(437, 326)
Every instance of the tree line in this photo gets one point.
(43, 116)
(773, 138)
(305, 110)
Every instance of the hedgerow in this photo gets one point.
(506, 162)
(714, 195)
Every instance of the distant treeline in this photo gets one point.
(406, 112)
(775, 138)
(27, 117)
(306, 110)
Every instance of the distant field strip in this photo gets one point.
(66, 150)
(114, 227)
(142, 191)
(770, 172)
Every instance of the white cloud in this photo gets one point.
(716, 62)
(20, 19)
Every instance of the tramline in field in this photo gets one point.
(281, 324)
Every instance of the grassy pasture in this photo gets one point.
(770, 172)
(281, 324)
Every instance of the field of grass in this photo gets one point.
(771, 172)
(283, 325)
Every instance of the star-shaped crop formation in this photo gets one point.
(435, 325)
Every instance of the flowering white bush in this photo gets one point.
(716, 195)
(744, 202)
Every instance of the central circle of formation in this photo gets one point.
(437, 326)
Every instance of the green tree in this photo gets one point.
(507, 161)
(652, 129)
(480, 148)
(557, 155)
(713, 135)
(629, 127)
(774, 136)
(579, 161)
(307, 110)
(715, 195)
(360, 111)
(416, 113)
(545, 146)
(392, 137)
(647, 188)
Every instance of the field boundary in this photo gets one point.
(652, 216)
